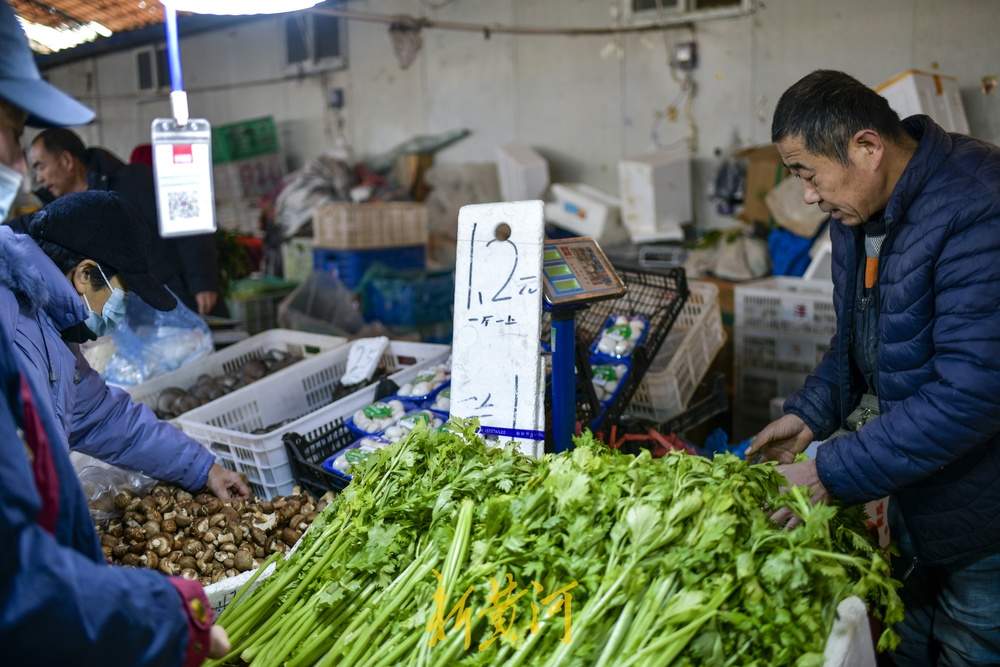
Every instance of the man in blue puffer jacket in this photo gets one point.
(916, 271)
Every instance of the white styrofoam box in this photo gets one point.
(221, 593)
(229, 360)
(785, 304)
(778, 351)
(684, 359)
(656, 195)
(524, 174)
(586, 211)
(936, 95)
(299, 396)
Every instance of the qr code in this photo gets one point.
(182, 205)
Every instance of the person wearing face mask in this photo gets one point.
(54, 582)
(88, 251)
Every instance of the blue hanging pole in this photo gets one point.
(563, 379)
(178, 98)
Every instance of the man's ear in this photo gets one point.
(867, 148)
(67, 161)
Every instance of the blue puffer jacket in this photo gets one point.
(60, 604)
(37, 302)
(936, 447)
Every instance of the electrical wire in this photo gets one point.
(420, 23)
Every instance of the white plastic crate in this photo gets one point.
(788, 353)
(755, 389)
(231, 359)
(783, 304)
(296, 396)
(684, 359)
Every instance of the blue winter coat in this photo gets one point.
(37, 302)
(60, 603)
(936, 447)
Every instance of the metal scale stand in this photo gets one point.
(576, 273)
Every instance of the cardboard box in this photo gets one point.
(764, 171)
(936, 95)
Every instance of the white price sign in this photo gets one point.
(363, 359)
(497, 371)
(182, 168)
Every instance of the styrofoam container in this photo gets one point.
(229, 360)
(937, 95)
(300, 397)
(656, 195)
(684, 359)
(586, 211)
(524, 174)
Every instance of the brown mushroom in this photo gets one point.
(138, 547)
(229, 563)
(109, 540)
(192, 547)
(132, 560)
(122, 500)
(107, 553)
(161, 544)
(183, 520)
(120, 550)
(189, 573)
(169, 526)
(152, 560)
(151, 528)
(187, 562)
(243, 560)
(290, 535)
(167, 567)
(259, 536)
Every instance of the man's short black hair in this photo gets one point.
(58, 140)
(827, 108)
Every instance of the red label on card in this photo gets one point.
(183, 154)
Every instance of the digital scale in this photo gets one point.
(576, 273)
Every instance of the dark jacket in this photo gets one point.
(60, 603)
(936, 447)
(187, 264)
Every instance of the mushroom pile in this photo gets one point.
(201, 537)
(174, 401)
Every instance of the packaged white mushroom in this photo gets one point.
(442, 402)
(607, 378)
(400, 430)
(345, 461)
(376, 417)
(426, 382)
(620, 336)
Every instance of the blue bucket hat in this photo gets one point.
(22, 86)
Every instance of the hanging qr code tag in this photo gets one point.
(182, 167)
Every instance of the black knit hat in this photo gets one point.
(105, 228)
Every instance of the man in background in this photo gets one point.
(188, 265)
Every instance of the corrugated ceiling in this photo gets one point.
(117, 16)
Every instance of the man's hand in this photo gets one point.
(206, 301)
(782, 440)
(800, 474)
(218, 642)
(226, 484)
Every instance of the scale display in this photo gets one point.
(576, 270)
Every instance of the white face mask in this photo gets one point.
(10, 186)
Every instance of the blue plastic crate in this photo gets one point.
(409, 299)
(352, 265)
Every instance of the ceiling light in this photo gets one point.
(240, 6)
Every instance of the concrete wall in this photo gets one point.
(583, 107)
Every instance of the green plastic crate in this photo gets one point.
(245, 139)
